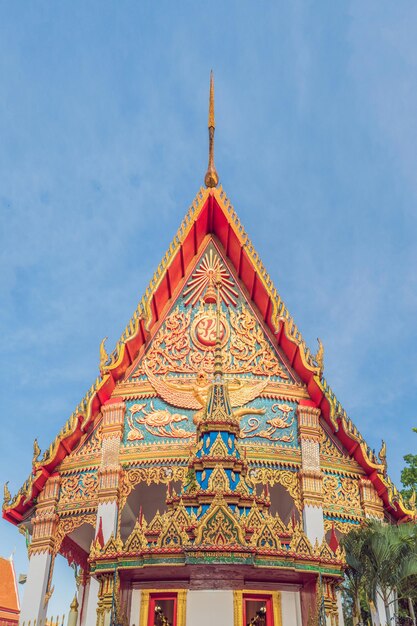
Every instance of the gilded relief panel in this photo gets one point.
(169, 386)
(341, 494)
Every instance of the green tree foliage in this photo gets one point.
(382, 566)
(409, 475)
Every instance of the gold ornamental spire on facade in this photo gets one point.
(211, 178)
(218, 357)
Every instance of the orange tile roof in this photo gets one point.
(9, 598)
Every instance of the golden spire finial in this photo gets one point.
(211, 178)
(211, 122)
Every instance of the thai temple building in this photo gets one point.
(9, 597)
(209, 472)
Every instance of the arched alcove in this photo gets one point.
(151, 498)
(281, 502)
(83, 536)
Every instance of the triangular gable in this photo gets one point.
(210, 213)
(259, 375)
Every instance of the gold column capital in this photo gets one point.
(311, 484)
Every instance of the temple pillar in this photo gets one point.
(38, 588)
(109, 476)
(331, 602)
(311, 476)
(105, 599)
(82, 597)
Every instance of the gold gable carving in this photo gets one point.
(156, 525)
(219, 448)
(254, 519)
(278, 525)
(300, 544)
(172, 536)
(113, 546)
(219, 527)
(218, 481)
(136, 541)
(325, 552)
(266, 539)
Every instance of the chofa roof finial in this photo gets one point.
(211, 178)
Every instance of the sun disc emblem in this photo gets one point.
(203, 330)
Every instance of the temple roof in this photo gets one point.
(9, 598)
(211, 215)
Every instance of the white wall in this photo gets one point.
(291, 608)
(135, 607)
(206, 608)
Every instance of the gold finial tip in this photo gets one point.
(211, 120)
(211, 178)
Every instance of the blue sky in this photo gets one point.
(103, 110)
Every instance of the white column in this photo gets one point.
(35, 588)
(90, 618)
(83, 591)
(311, 476)
(106, 511)
(44, 524)
(135, 607)
(109, 476)
(205, 608)
(313, 523)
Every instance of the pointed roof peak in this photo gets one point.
(211, 178)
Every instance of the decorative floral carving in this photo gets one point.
(136, 541)
(266, 539)
(341, 492)
(172, 536)
(329, 448)
(158, 422)
(80, 487)
(299, 542)
(275, 423)
(184, 345)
